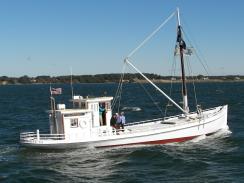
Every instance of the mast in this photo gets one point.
(182, 47)
(185, 109)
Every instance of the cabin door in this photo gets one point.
(102, 114)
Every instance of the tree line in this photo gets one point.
(104, 78)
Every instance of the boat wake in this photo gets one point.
(203, 141)
(223, 133)
(199, 138)
(131, 109)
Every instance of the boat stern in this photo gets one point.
(225, 117)
(35, 139)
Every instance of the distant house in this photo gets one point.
(200, 77)
(33, 80)
(237, 78)
(4, 82)
(125, 81)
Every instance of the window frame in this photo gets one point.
(74, 122)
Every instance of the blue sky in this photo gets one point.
(47, 37)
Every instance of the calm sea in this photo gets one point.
(218, 158)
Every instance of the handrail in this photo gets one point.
(165, 118)
(33, 136)
(142, 122)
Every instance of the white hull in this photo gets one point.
(172, 129)
(88, 123)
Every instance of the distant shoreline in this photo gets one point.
(114, 78)
(139, 81)
(196, 81)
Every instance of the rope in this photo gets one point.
(173, 69)
(206, 68)
(119, 85)
(193, 81)
(119, 89)
(197, 50)
(202, 61)
(150, 96)
(150, 35)
(119, 97)
(172, 74)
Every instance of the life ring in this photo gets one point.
(83, 124)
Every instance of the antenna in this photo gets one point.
(71, 84)
(178, 15)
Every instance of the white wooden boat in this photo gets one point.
(80, 126)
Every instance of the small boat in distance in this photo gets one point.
(84, 126)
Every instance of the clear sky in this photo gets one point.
(47, 37)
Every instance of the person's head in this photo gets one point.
(122, 113)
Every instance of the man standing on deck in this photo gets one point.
(122, 120)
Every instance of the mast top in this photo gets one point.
(178, 15)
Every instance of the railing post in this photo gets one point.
(37, 135)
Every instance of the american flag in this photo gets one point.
(56, 91)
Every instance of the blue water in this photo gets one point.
(218, 158)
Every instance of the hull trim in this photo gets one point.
(165, 141)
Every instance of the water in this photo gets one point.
(218, 158)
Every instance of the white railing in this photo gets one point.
(36, 137)
(165, 118)
(142, 122)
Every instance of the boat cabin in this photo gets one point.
(86, 114)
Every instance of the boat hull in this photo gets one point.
(184, 129)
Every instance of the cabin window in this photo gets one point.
(74, 114)
(83, 105)
(108, 106)
(74, 122)
(76, 105)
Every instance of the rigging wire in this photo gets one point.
(150, 35)
(197, 48)
(120, 93)
(172, 74)
(119, 89)
(71, 85)
(150, 97)
(119, 85)
(193, 80)
(206, 68)
(173, 69)
(203, 60)
(144, 42)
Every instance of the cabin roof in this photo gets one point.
(95, 99)
(67, 111)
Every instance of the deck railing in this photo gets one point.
(165, 118)
(142, 122)
(36, 137)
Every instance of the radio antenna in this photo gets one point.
(71, 84)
